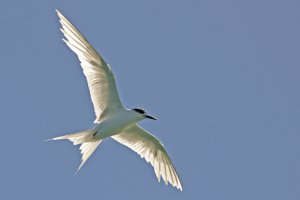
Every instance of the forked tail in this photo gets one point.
(88, 144)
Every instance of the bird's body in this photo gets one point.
(115, 123)
(112, 119)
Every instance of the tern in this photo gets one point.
(112, 119)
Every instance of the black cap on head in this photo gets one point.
(139, 110)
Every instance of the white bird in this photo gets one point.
(112, 119)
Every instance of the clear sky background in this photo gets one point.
(221, 76)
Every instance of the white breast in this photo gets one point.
(116, 123)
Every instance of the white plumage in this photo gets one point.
(112, 119)
(152, 150)
(98, 74)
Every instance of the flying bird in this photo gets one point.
(112, 119)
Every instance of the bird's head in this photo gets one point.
(143, 113)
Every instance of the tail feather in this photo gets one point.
(77, 138)
(87, 149)
(88, 144)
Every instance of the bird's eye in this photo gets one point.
(141, 111)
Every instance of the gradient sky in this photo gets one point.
(221, 76)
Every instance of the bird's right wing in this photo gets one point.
(99, 76)
(150, 148)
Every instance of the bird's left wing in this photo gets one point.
(152, 150)
(99, 76)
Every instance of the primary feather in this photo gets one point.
(152, 150)
(100, 79)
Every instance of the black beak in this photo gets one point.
(150, 117)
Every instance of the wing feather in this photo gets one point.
(152, 150)
(100, 79)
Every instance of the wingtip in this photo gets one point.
(180, 188)
(59, 14)
(57, 11)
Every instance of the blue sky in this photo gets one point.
(221, 76)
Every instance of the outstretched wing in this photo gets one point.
(152, 150)
(100, 79)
